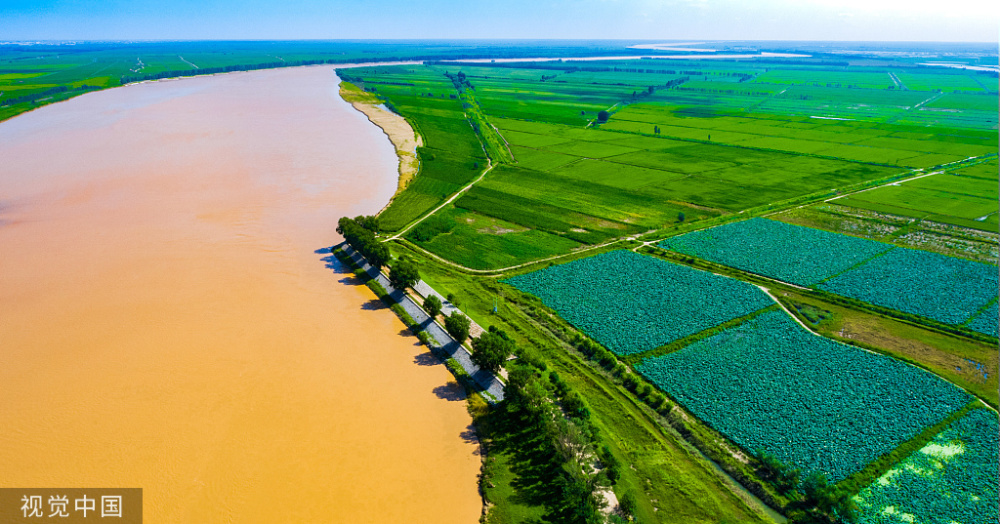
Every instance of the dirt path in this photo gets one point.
(451, 199)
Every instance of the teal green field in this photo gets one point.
(715, 271)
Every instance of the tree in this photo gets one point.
(602, 116)
(368, 222)
(363, 239)
(773, 470)
(680, 216)
(432, 305)
(404, 274)
(627, 504)
(377, 255)
(458, 326)
(491, 350)
(822, 503)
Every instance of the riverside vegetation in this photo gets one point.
(564, 163)
(552, 169)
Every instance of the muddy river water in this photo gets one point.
(166, 321)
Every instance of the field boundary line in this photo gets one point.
(450, 199)
(973, 396)
(787, 311)
(943, 169)
(498, 273)
(856, 266)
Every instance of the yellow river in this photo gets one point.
(167, 323)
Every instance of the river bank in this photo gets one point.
(170, 325)
(396, 128)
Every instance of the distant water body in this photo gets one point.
(166, 321)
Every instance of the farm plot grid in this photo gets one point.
(819, 405)
(986, 322)
(632, 303)
(775, 249)
(938, 287)
(967, 198)
(946, 289)
(953, 479)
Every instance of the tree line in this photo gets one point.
(47, 93)
(359, 233)
(571, 460)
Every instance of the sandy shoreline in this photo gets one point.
(403, 137)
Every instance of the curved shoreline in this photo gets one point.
(399, 131)
(218, 237)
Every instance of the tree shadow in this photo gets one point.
(426, 359)
(374, 304)
(531, 459)
(334, 263)
(451, 391)
(351, 280)
(470, 436)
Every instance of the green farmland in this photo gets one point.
(965, 197)
(560, 165)
(682, 143)
(814, 403)
(712, 271)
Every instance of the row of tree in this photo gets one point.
(34, 97)
(546, 404)
(489, 351)
(359, 232)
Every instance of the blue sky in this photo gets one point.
(887, 20)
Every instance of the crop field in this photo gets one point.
(946, 289)
(481, 242)
(873, 80)
(452, 155)
(778, 250)
(668, 171)
(948, 82)
(951, 479)
(799, 132)
(819, 405)
(986, 321)
(943, 288)
(632, 303)
(966, 197)
(576, 208)
(684, 141)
